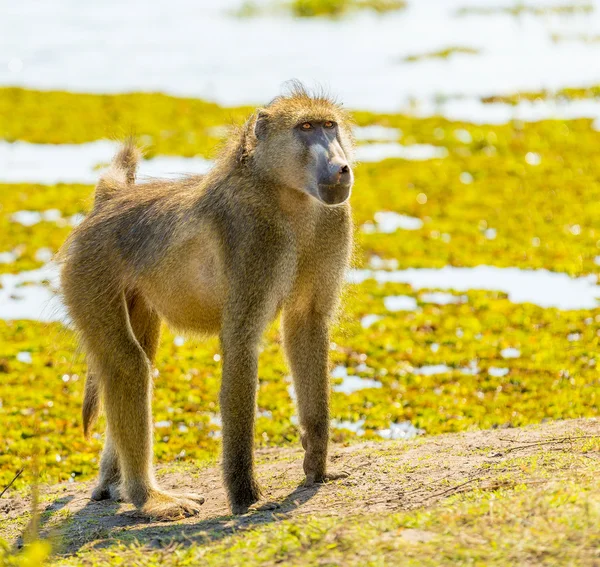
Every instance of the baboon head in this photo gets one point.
(304, 142)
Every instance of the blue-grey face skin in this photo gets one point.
(333, 175)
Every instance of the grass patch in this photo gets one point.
(446, 508)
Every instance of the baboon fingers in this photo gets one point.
(314, 478)
(164, 506)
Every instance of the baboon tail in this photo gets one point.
(91, 403)
(121, 172)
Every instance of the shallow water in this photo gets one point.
(25, 296)
(441, 298)
(23, 162)
(540, 287)
(31, 295)
(354, 426)
(471, 109)
(352, 383)
(510, 353)
(369, 320)
(376, 133)
(402, 430)
(389, 222)
(116, 47)
(31, 218)
(415, 152)
(432, 369)
(498, 372)
(400, 303)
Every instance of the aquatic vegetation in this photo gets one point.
(521, 9)
(333, 8)
(554, 377)
(518, 194)
(580, 37)
(166, 125)
(565, 94)
(320, 8)
(441, 54)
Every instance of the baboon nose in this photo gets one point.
(344, 173)
(337, 172)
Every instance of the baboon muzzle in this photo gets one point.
(334, 194)
(336, 182)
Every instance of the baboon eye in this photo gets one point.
(329, 124)
(306, 126)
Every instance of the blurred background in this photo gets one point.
(383, 55)
(472, 300)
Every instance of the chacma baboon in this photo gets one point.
(267, 229)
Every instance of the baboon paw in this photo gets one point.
(239, 509)
(265, 506)
(314, 478)
(243, 494)
(115, 492)
(101, 492)
(190, 496)
(242, 506)
(107, 492)
(168, 507)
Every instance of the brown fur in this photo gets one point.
(221, 253)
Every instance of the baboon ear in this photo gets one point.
(260, 126)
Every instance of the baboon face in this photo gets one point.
(330, 174)
(308, 156)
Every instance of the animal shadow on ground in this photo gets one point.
(102, 524)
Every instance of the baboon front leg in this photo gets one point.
(239, 343)
(306, 341)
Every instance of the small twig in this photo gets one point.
(454, 488)
(555, 440)
(423, 486)
(11, 482)
(548, 442)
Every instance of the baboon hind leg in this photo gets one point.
(110, 473)
(145, 324)
(125, 372)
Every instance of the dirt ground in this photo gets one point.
(383, 477)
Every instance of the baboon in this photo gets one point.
(268, 229)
